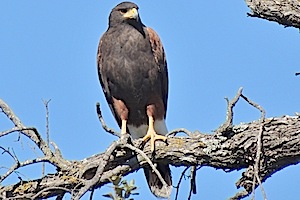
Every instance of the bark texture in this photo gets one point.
(284, 12)
(229, 148)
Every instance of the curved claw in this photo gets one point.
(152, 135)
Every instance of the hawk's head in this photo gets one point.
(125, 12)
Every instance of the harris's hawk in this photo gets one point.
(133, 74)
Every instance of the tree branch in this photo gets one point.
(235, 150)
(284, 12)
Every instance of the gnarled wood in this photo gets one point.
(233, 150)
(284, 12)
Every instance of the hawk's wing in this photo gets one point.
(160, 59)
(103, 76)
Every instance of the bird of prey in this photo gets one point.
(133, 74)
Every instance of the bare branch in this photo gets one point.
(180, 130)
(104, 126)
(51, 188)
(227, 125)
(100, 169)
(239, 195)
(133, 148)
(9, 153)
(33, 134)
(18, 165)
(179, 182)
(46, 103)
(15, 129)
(259, 148)
(229, 154)
(193, 188)
(243, 149)
(286, 13)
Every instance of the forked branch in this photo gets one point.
(255, 146)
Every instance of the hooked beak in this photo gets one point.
(131, 14)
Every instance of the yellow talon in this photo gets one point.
(152, 135)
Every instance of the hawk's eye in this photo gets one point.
(123, 11)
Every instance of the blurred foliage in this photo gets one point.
(122, 189)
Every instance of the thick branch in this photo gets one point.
(285, 12)
(280, 147)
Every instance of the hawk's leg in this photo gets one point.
(123, 127)
(152, 135)
(122, 111)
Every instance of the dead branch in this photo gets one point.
(177, 187)
(284, 12)
(262, 147)
(46, 103)
(104, 126)
(259, 148)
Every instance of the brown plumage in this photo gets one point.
(133, 74)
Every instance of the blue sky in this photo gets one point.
(48, 51)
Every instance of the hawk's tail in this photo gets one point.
(155, 184)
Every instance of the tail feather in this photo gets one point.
(155, 184)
